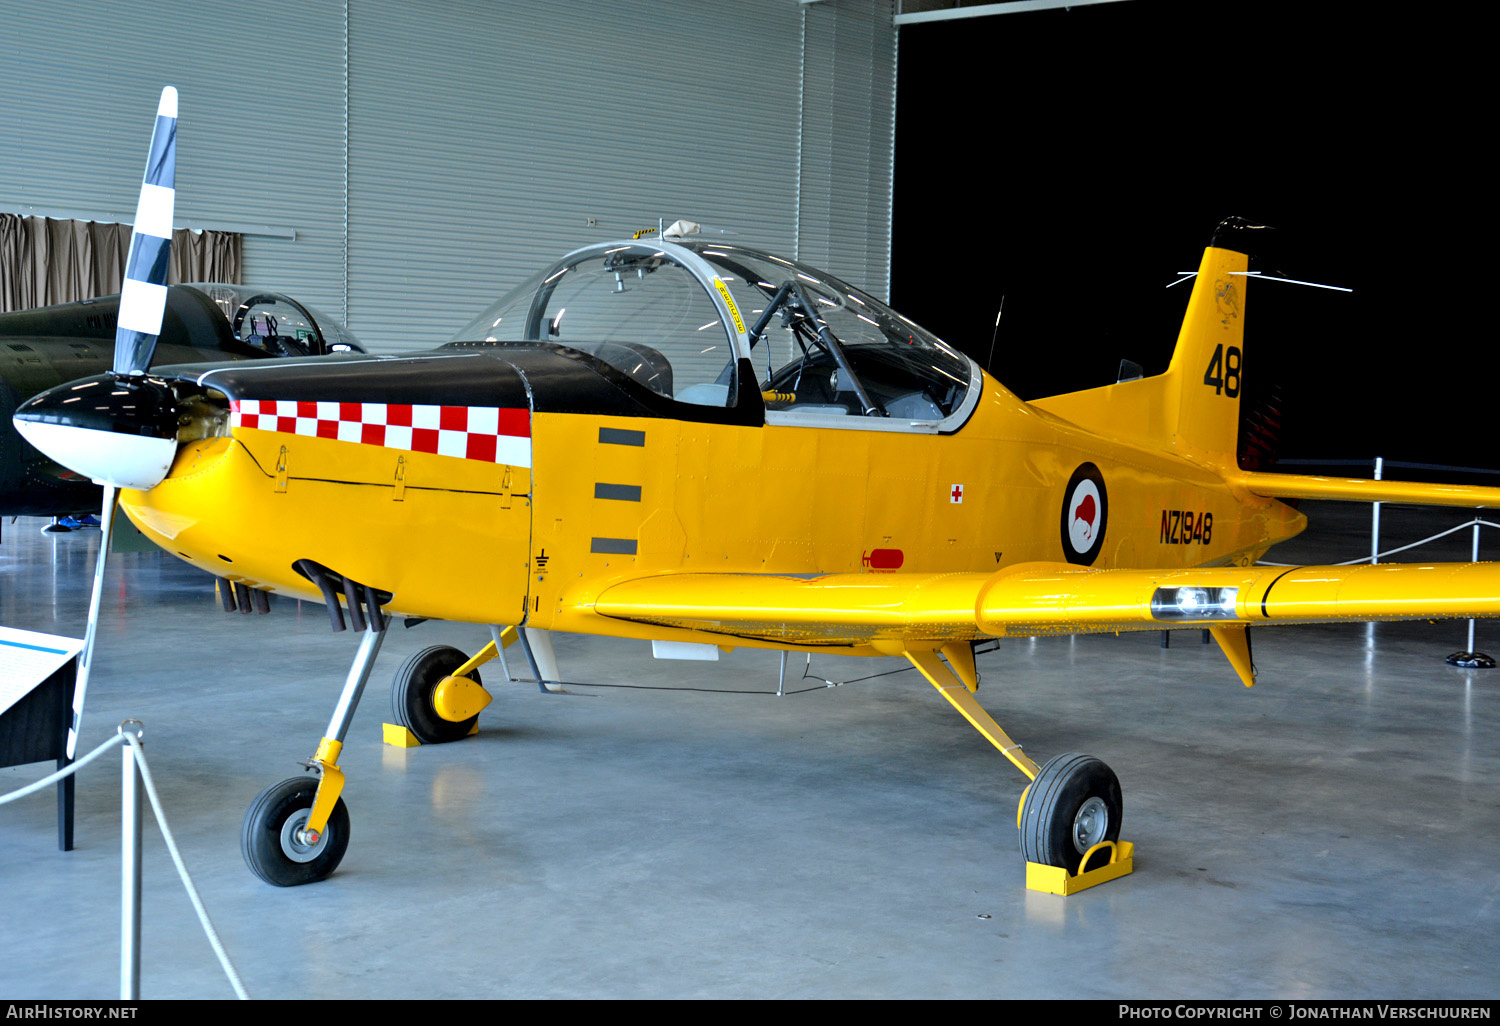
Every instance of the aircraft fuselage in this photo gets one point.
(517, 483)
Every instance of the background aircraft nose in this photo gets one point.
(116, 430)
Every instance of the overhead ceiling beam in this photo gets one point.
(267, 231)
(981, 10)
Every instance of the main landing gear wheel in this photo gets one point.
(271, 840)
(412, 694)
(1072, 805)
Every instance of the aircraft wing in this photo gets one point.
(932, 617)
(899, 610)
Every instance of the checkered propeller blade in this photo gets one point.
(143, 296)
(120, 428)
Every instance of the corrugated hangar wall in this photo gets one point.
(400, 164)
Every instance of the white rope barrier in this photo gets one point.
(1391, 552)
(22, 792)
(139, 754)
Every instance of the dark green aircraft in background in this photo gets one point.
(203, 323)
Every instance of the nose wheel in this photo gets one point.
(296, 831)
(276, 844)
(1073, 804)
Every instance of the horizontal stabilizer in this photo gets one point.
(1358, 489)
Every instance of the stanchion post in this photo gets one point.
(1468, 658)
(1375, 514)
(1474, 558)
(130, 868)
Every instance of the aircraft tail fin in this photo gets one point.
(1205, 378)
(1194, 408)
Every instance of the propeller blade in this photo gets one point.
(86, 657)
(121, 428)
(143, 296)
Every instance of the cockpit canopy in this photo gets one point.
(679, 316)
(278, 324)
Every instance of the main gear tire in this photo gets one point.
(1073, 804)
(412, 694)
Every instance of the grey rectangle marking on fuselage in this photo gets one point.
(621, 436)
(624, 493)
(613, 546)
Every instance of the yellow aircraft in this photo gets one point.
(707, 446)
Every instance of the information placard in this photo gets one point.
(27, 659)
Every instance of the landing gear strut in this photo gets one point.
(1072, 807)
(296, 831)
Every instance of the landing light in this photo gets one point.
(1194, 603)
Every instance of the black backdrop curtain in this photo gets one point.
(47, 260)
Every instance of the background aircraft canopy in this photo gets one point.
(656, 311)
(278, 324)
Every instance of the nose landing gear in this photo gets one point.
(276, 843)
(297, 831)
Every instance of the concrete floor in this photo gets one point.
(1330, 833)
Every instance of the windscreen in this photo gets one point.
(903, 370)
(632, 307)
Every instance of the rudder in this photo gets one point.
(1206, 375)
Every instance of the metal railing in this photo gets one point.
(1378, 466)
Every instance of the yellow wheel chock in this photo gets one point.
(1056, 880)
(398, 736)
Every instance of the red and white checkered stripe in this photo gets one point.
(488, 433)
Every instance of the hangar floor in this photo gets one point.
(1330, 833)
